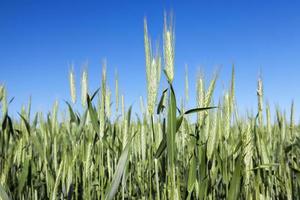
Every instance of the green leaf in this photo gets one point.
(37, 145)
(71, 113)
(162, 146)
(3, 194)
(94, 94)
(57, 180)
(192, 174)
(295, 169)
(93, 114)
(11, 100)
(7, 124)
(23, 176)
(35, 121)
(81, 125)
(27, 125)
(171, 128)
(195, 110)
(120, 169)
(129, 117)
(4, 122)
(265, 166)
(179, 122)
(235, 184)
(160, 106)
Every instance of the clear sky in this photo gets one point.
(39, 38)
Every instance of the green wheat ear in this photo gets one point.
(169, 49)
(153, 71)
(84, 86)
(72, 84)
(260, 99)
(117, 91)
(108, 102)
(3, 98)
(103, 104)
(186, 91)
(292, 118)
(200, 96)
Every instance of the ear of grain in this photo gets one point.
(186, 84)
(169, 50)
(4, 101)
(232, 90)
(153, 70)
(200, 97)
(260, 100)
(269, 123)
(84, 87)
(158, 65)
(108, 102)
(212, 136)
(54, 117)
(72, 85)
(103, 104)
(210, 91)
(292, 118)
(226, 117)
(147, 44)
(117, 91)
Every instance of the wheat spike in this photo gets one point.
(84, 86)
(72, 84)
(169, 50)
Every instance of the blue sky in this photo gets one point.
(39, 38)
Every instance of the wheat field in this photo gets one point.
(104, 152)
